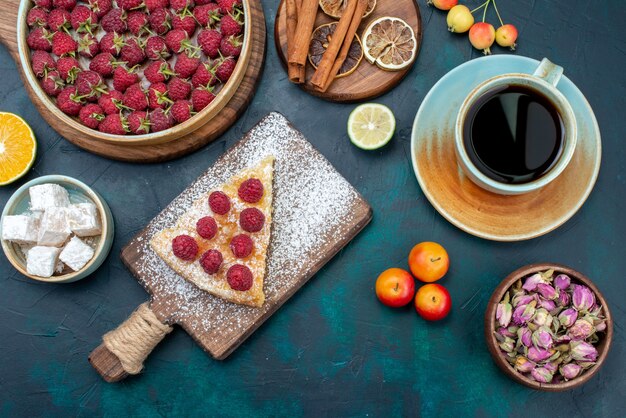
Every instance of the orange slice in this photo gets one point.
(18, 148)
(389, 42)
(319, 42)
(335, 8)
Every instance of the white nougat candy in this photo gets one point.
(45, 196)
(42, 261)
(21, 229)
(84, 220)
(54, 228)
(76, 254)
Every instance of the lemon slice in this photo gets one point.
(390, 43)
(335, 8)
(371, 125)
(18, 148)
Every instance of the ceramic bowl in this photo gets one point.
(168, 135)
(79, 192)
(603, 345)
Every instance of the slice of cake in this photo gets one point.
(220, 243)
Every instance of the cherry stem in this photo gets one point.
(498, 13)
(485, 11)
(481, 6)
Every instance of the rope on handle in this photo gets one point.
(135, 338)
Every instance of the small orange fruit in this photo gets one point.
(18, 148)
(428, 261)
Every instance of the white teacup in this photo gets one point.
(544, 81)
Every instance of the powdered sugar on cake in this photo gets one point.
(312, 207)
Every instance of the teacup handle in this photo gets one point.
(549, 72)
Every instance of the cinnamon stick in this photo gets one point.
(296, 72)
(347, 43)
(306, 19)
(330, 55)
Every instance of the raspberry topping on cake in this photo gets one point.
(185, 247)
(211, 261)
(251, 220)
(241, 245)
(206, 227)
(251, 190)
(219, 203)
(239, 277)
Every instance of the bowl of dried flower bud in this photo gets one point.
(548, 327)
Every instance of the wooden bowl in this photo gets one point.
(168, 135)
(79, 192)
(603, 345)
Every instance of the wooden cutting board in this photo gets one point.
(150, 153)
(367, 81)
(316, 212)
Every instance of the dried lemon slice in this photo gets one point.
(18, 148)
(319, 43)
(389, 42)
(335, 8)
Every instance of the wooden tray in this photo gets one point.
(316, 213)
(152, 153)
(368, 81)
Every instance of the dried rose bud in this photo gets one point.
(564, 339)
(508, 345)
(541, 375)
(505, 332)
(568, 317)
(552, 366)
(586, 364)
(538, 354)
(542, 317)
(547, 291)
(542, 338)
(523, 365)
(583, 298)
(583, 351)
(531, 283)
(504, 311)
(548, 305)
(524, 313)
(525, 336)
(581, 330)
(562, 281)
(564, 299)
(570, 371)
(600, 326)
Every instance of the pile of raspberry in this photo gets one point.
(134, 66)
(251, 220)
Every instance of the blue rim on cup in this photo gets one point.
(544, 80)
(19, 203)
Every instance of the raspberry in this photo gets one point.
(231, 46)
(211, 261)
(251, 190)
(184, 22)
(239, 277)
(68, 68)
(114, 21)
(225, 69)
(160, 120)
(88, 46)
(37, 17)
(138, 122)
(62, 44)
(207, 15)
(178, 89)
(42, 62)
(186, 65)
(100, 7)
(123, 78)
(104, 63)
(137, 22)
(91, 115)
(229, 6)
(64, 4)
(179, 5)
(89, 84)
(185, 247)
(203, 76)
(181, 110)
(209, 40)
(156, 48)
(159, 20)
(201, 98)
(111, 102)
(112, 43)
(132, 53)
(152, 5)
(135, 97)
(157, 96)
(128, 4)
(203, 2)
(251, 220)
(219, 203)
(44, 4)
(69, 102)
(177, 41)
(83, 20)
(158, 71)
(206, 227)
(52, 83)
(59, 19)
(113, 124)
(39, 40)
(241, 245)
(230, 26)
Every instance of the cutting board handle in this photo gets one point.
(124, 349)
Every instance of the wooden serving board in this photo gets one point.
(152, 153)
(316, 212)
(367, 81)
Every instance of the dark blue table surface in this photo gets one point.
(333, 349)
